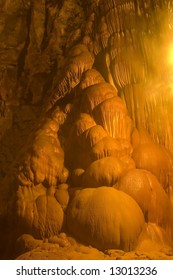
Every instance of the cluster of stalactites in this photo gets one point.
(131, 29)
(132, 39)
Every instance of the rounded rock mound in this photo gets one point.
(105, 218)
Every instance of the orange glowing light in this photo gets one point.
(170, 54)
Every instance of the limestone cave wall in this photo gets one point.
(86, 135)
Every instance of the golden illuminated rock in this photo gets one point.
(106, 147)
(79, 60)
(92, 136)
(96, 216)
(102, 172)
(44, 159)
(112, 115)
(62, 195)
(96, 94)
(157, 160)
(38, 213)
(86, 101)
(145, 189)
(84, 122)
(89, 78)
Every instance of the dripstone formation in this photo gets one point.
(86, 135)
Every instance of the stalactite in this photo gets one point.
(109, 88)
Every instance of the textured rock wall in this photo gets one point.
(34, 39)
(82, 86)
(133, 40)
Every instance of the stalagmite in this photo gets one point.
(157, 160)
(96, 94)
(112, 115)
(91, 209)
(103, 172)
(86, 136)
(149, 194)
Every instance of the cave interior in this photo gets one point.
(86, 129)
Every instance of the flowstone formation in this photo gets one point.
(86, 134)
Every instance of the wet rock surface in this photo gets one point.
(86, 139)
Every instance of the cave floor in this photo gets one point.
(146, 251)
